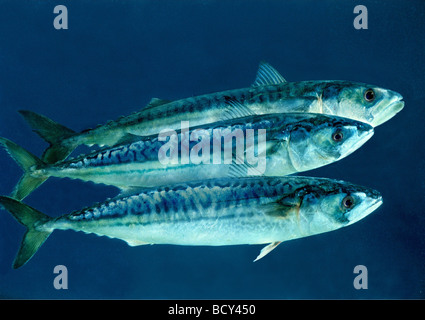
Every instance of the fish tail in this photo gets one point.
(28, 162)
(31, 219)
(52, 132)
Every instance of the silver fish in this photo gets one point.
(292, 142)
(212, 213)
(270, 93)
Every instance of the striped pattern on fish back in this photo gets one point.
(147, 148)
(188, 201)
(219, 101)
(140, 151)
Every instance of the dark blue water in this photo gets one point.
(116, 55)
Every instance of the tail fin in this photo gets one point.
(54, 133)
(27, 161)
(31, 219)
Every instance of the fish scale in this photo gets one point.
(197, 213)
(276, 145)
(154, 119)
(215, 212)
(147, 149)
(139, 151)
(270, 93)
(182, 198)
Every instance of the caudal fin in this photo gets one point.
(33, 220)
(54, 133)
(27, 161)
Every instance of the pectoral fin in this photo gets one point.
(267, 249)
(278, 142)
(241, 168)
(283, 208)
(235, 109)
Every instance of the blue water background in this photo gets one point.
(117, 55)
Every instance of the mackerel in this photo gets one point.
(269, 145)
(270, 93)
(217, 212)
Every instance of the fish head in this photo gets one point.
(364, 102)
(322, 139)
(335, 204)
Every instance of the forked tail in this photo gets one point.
(34, 236)
(27, 161)
(52, 132)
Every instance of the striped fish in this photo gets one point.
(290, 143)
(270, 93)
(213, 213)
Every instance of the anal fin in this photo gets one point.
(135, 243)
(267, 249)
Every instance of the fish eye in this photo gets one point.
(369, 95)
(348, 202)
(337, 136)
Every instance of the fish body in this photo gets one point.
(214, 213)
(339, 98)
(269, 145)
(270, 93)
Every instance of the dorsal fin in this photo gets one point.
(155, 102)
(267, 75)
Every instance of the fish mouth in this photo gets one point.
(389, 111)
(373, 204)
(365, 136)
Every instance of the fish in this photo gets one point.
(270, 93)
(261, 145)
(218, 212)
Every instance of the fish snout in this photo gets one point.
(372, 201)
